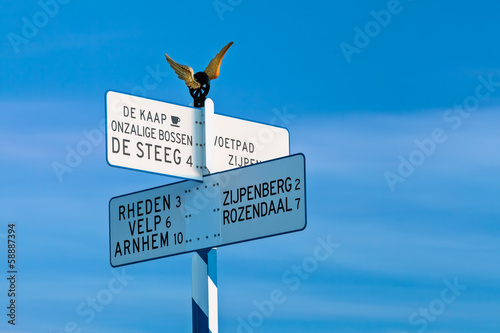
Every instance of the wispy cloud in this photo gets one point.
(356, 143)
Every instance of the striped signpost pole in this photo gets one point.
(204, 302)
(204, 262)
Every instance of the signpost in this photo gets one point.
(239, 205)
(242, 186)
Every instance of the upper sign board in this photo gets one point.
(165, 138)
(238, 205)
(154, 136)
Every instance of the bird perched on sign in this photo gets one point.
(199, 83)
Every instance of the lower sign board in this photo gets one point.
(243, 204)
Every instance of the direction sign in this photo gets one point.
(238, 205)
(241, 142)
(154, 136)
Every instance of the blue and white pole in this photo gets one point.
(204, 302)
(204, 262)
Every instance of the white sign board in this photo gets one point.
(243, 204)
(154, 136)
(241, 142)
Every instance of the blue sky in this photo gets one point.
(400, 137)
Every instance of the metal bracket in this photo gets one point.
(200, 94)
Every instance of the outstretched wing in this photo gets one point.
(213, 67)
(184, 72)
